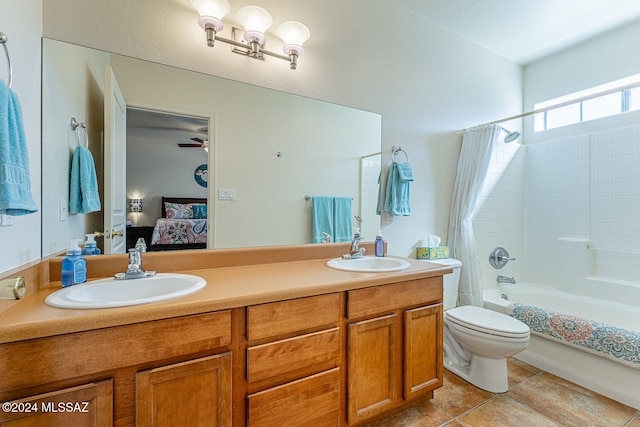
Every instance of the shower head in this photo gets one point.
(511, 136)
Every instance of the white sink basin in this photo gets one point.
(118, 293)
(369, 264)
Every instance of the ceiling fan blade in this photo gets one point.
(189, 145)
(200, 140)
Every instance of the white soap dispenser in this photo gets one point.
(90, 245)
(379, 244)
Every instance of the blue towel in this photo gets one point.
(341, 219)
(15, 181)
(398, 195)
(405, 173)
(83, 191)
(322, 220)
(379, 204)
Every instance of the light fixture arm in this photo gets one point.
(253, 50)
(211, 34)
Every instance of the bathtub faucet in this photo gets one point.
(505, 279)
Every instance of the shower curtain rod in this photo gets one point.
(559, 105)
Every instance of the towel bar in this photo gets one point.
(75, 125)
(3, 40)
(307, 197)
(395, 150)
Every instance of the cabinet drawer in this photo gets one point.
(298, 356)
(380, 299)
(110, 348)
(312, 401)
(286, 317)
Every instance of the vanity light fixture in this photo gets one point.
(256, 21)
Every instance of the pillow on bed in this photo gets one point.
(199, 211)
(178, 210)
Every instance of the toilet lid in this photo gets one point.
(489, 321)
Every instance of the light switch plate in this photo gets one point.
(226, 194)
(6, 220)
(63, 208)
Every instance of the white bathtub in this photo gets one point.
(615, 380)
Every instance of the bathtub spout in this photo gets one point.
(505, 279)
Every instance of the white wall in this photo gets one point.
(426, 81)
(73, 86)
(21, 22)
(322, 144)
(598, 61)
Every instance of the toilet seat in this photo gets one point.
(487, 321)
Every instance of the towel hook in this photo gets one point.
(395, 150)
(76, 126)
(3, 40)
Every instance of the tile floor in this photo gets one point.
(535, 398)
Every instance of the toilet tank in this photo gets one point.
(450, 281)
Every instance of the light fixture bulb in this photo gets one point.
(293, 34)
(256, 21)
(211, 12)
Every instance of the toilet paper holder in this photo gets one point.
(499, 258)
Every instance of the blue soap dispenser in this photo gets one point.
(379, 244)
(90, 246)
(74, 266)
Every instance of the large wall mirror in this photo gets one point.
(266, 150)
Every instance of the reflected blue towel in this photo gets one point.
(341, 219)
(83, 191)
(379, 205)
(322, 220)
(15, 181)
(398, 195)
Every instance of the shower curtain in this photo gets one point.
(473, 165)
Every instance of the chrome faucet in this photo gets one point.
(505, 279)
(327, 237)
(134, 269)
(356, 251)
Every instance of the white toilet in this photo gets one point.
(477, 341)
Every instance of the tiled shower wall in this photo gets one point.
(568, 209)
(369, 171)
(500, 220)
(583, 208)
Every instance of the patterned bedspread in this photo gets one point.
(179, 231)
(615, 343)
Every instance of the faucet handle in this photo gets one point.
(135, 257)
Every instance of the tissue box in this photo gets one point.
(432, 252)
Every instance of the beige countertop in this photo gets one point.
(227, 287)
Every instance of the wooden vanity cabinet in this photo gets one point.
(293, 362)
(192, 393)
(148, 373)
(394, 346)
(89, 405)
(329, 360)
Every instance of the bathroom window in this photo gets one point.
(617, 102)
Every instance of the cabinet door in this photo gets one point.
(422, 350)
(85, 405)
(374, 367)
(193, 393)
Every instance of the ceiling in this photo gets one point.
(164, 128)
(525, 30)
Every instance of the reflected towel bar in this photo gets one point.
(3, 40)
